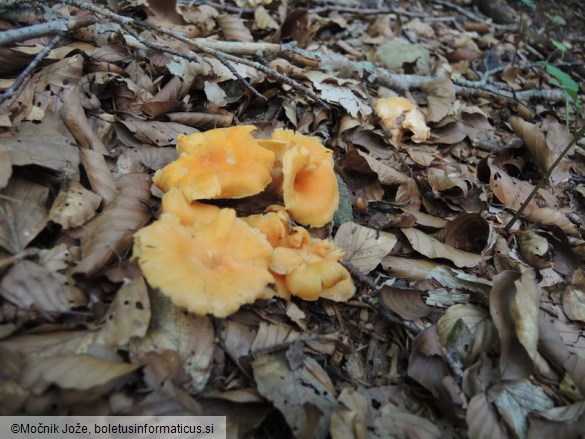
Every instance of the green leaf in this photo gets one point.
(565, 82)
(559, 46)
(529, 3)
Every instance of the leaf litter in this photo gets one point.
(457, 328)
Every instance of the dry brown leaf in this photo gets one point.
(350, 417)
(408, 269)
(364, 247)
(157, 133)
(5, 165)
(440, 96)
(74, 206)
(233, 28)
(204, 121)
(453, 188)
(432, 248)
(482, 419)
(397, 422)
(305, 396)
(548, 216)
(515, 360)
(477, 323)
(566, 422)
(72, 371)
(30, 286)
(109, 234)
(533, 248)
(99, 174)
(263, 20)
(22, 213)
(38, 145)
(73, 116)
(427, 366)
(535, 141)
(407, 303)
(191, 336)
(270, 336)
(152, 157)
(128, 315)
(469, 232)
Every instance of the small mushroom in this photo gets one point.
(309, 185)
(211, 268)
(220, 163)
(398, 114)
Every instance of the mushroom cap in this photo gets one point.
(313, 271)
(220, 163)
(398, 114)
(209, 268)
(309, 187)
(174, 202)
(325, 278)
(277, 228)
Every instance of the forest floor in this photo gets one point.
(457, 141)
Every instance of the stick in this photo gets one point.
(43, 29)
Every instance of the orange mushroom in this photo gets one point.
(313, 271)
(309, 185)
(211, 268)
(174, 202)
(398, 114)
(220, 163)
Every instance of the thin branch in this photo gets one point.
(43, 29)
(10, 91)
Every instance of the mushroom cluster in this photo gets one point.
(209, 261)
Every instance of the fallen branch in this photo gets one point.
(10, 91)
(43, 29)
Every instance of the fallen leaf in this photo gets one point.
(364, 247)
(432, 248)
(73, 206)
(111, 232)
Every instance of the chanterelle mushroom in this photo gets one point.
(206, 268)
(220, 163)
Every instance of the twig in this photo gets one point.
(10, 91)
(40, 30)
(578, 135)
(222, 57)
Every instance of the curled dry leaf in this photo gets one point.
(407, 303)
(28, 285)
(567, 422)
(22, 213)
(263, 20)
(533, 248)
(305, 396)
(350, 417)
(110, 233)
(99, 174)
(453, 188)
(469, 232)
(535, 140)
(74, 205)
(152, 157)
(364, 247)
(478, 324)
(548, 216)
(5, 166)
(204, 121)
(432, 248)
(156, 132)
(574, 298)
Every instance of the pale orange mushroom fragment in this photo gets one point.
(189, 213)
(209, 268)
(220, 163)
(398, 114)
